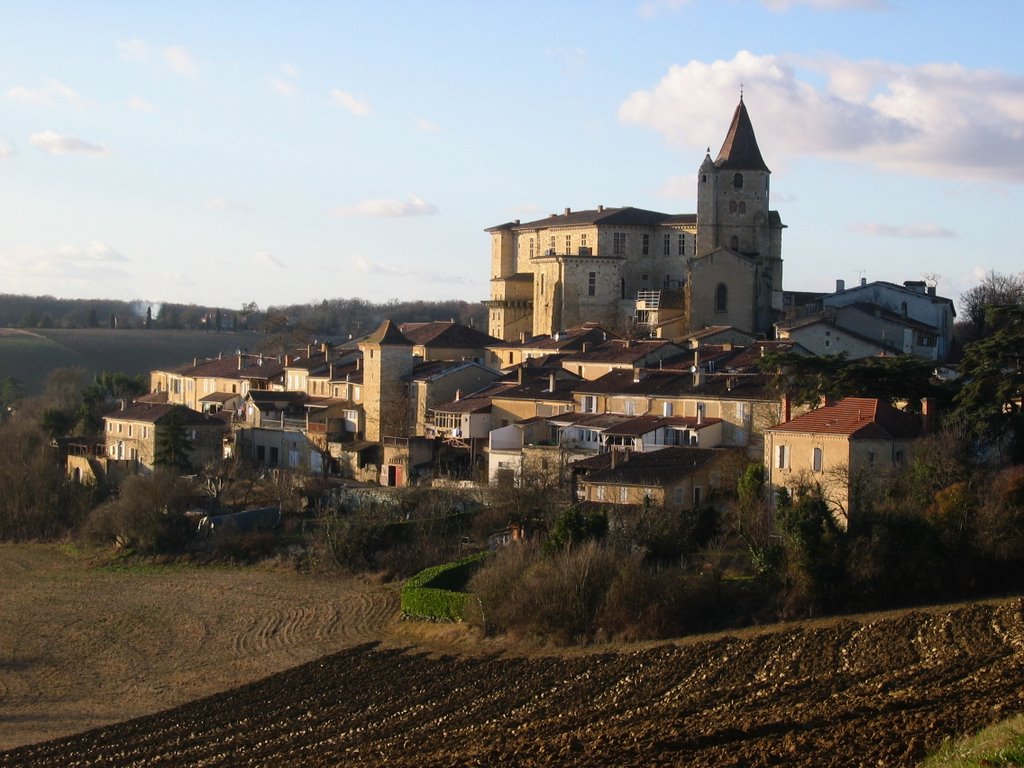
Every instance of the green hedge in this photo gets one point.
(436, 592)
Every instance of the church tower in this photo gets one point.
(735, 276)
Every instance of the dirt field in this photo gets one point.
(871, 691)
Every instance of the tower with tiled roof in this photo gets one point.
(735, 277)
(387, 359)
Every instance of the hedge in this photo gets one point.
(436, 592)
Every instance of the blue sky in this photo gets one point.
(221, 153)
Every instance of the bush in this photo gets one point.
(146, 515)
(438, 592)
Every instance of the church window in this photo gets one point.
(816, 460)
(592, 284)
(732, 206)
(645, 244)
(721, 298)
(743, 207)
(619, 243)
(734, 243)
(667, 249)
(737, 181)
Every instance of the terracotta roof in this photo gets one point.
(446, 334)
(661, 467)
(676, 383)
(154, 413)
(740, 151)
(860, 417)
(621, 351)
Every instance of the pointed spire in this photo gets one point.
(740, 151)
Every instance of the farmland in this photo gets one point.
(92, 647)
(30, 356)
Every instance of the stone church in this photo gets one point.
(664, 274)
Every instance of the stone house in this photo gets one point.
(133, 433)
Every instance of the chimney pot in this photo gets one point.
(568, 211)
(840, 286)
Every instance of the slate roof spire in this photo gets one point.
(740, 151)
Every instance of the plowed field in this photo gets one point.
(875, 691)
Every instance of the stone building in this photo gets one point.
(600, 265)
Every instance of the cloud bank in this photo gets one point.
(55, 144)
(939, 120)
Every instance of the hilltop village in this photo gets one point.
(624, 357)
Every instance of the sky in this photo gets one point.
(281, 153)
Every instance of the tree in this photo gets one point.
(992, 372)
(172, 443)
(994, 290)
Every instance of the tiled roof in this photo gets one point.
(676, 383)
(388, 334)
(621, 351)
(446, 334)
(660, 467)
(860, 417)
(153, 413)
(740, 151)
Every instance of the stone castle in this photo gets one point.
(667, 274)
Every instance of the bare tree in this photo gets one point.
(995, 289)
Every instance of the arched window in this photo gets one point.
(732, 206)
(743, 207)
(703, 178)
(737, 181)
(721, 298)
(734, 243)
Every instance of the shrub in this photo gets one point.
(145, 516)
(438, 592)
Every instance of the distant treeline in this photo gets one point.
(336, 317)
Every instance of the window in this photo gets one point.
(618, 243)
(781, 456)
(732, 206)
(816, 460)
(666, 410)
(541, 283)
(531, 247)
(110, 426)
(743, 207)
(589, 404)
(645, 244)
(628, 407)
(667, 248)
(698, 494)
(568, 244)
(551, 245)
(622, 287)
(583, 240)
(599, 492)
(592, 284)
(130, 429)
(737, 181)
(682, 245)
(145, 432)
(679, 494)
(721, 298)
(623, 494)
(734, 243)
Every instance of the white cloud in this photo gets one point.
(222, 204)
(55, 144)
(652, 8)
(180, 60)
(51, 92)
(932, 119)
(357, 105)
(89, 268)
(912, 231)
(282, 86)
(5, 149)
(426, 126)
(133, 50)
(268, 260)
(140, 105)
(364, 265)
(387, 208)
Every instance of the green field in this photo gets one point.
(30, 356)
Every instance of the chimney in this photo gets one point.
(586, 347)
(568, 211)
(325, 348)
(600, 209)
(840, 286)
(551, 382)
(519, 374)
(309, 351)
(628, 344)
(522, 337)
(359, 363)
(124, 404)
(787, 408)
(195, 362)
(931, 290)
(220, 355)
(637, 375)
(863, 281)
(241, 365)
(458, 395)
(261, 359)
(700, 414)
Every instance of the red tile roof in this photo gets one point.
(860, 417)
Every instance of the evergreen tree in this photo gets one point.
(172, 444)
